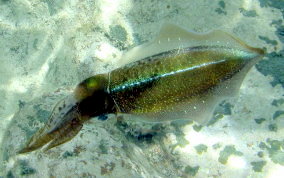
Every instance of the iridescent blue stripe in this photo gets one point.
(136, 83)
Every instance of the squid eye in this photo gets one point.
(91, 84)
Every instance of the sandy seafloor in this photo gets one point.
(48, 46)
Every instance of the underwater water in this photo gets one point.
(47, 47)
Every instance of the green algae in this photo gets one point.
(274, 67)
(181, 123)
(278, 157)
(278, 102)
(21, 104)
(220, 11)
(227, 152)
(197, 128)
(136, 135)
(180, 136)
(248, 13)
(67, 154)
(107, 168)
(4, 1)
(275, 150)
(268, 41)
(192, 171)
(221, 8)
(262, 145)
(224, 108)
(272, 3)
(257, 166)
(103, 147)
(29, 129)
(277, 114)
(216, 146)
(118, 35)
(260, 154)
(25, 169)
(272, 127)
(54, 6)
(201, 148)
(259, 121)
(10, 174)
(280, 32)
(215, 118)
(77, 150)
(222, 4)
(42, 115)
(181, 141)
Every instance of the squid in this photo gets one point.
(178, 75)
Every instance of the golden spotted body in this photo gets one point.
(178, 80)
(157, 84)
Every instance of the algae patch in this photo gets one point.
(192, 171)
(201, 148)
(258, 165)
(118, 35)
(54, 6)
(260, 154)
(275, 150)
(197, 128)
(278, 102)
(248, 13)
(272, 3)
(277, 114)
(103, 147)
(259, 121)
(274, 67)
(107, 168)
(67, 154)
(268, 41)
(25, 169)
(272, 127)
(216, 146)
(221, 9)
(227, 152)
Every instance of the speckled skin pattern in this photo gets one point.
(158, 83)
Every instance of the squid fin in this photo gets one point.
(174, 37)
